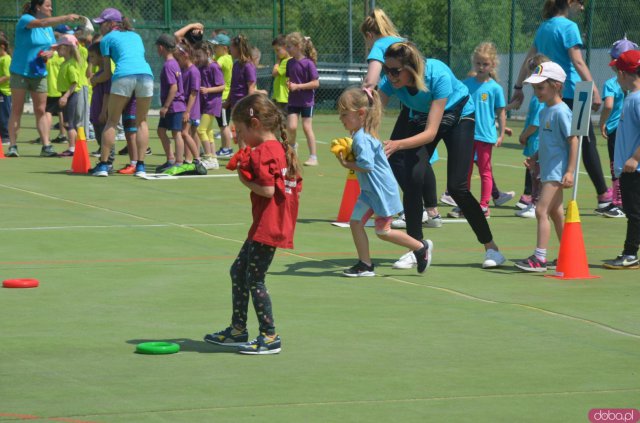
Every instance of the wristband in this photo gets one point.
(517, 87)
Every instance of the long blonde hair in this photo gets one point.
(378, 23)
(490, 51)
(305, 44)
(272, 119)
(354, 99)
(412, 60)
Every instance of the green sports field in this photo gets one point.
(121, 260)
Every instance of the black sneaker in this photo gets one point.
(164, 166)
(47, 151)
(532, 264)
(149, 152)
(60, 139)
(200, 169)
(423, 255)
(600, 211)
(229, 336)
(614, 212)
(622, 262)
(263, 344)
(359, 269)
(124, 151)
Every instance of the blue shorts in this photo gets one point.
(362, 212)
(171, 121)
(305, 112)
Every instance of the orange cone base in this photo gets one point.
(572, 259)
(81, 163)
(349, 198)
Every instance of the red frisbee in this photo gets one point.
(20, 283)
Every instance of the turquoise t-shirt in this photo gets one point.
(380, 47)
(612, 89)
(378, 187)
(28, 43)
(487, 97)
(553, 153)
(628, 135)
(554, 37)
(441, 83)
(127, 51)
(533, 119)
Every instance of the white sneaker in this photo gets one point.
(447, 199)
(425, 216)
(504, 197)
(399, 223)
(211, 163)
(407, 261)
(529, 212)
(218, 135)
(434, 222)
(492, 259)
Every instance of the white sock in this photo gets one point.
(541, 254)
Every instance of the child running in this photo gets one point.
(489, 100)
(612, 99)
(303, 80)
(69, 85)
(627, 157)
(557, 156)
(275, 189)
(361, 112)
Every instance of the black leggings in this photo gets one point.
(591, 158)
(611, 146)
(417, 180)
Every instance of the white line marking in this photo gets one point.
(72, 227)
(163, 177)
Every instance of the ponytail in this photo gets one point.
(309, 50)
(244, 52)
(354, 99)
(554, 8)
(378, 23)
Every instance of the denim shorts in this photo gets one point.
(171, 121)
(141, 85)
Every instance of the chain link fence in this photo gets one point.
(447, 30)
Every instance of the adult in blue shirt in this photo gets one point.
(132, 76)
(379, 33)
(33, 41)
(559, 38)
(440, 108)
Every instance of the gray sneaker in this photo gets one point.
(13, 151)
(47, 151)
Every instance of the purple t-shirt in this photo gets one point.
(191, 83)
(130, 108)
(97, 97)
(171, 74)
(301, 72)
(211, 76)
(241, 76)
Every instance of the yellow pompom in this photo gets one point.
(343, 145)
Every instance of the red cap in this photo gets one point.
(629, 61)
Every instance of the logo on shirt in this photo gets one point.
(484, 96)
(289, 185)
(547, 126)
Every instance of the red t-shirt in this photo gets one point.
(274, 219)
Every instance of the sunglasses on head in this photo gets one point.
(394, 72)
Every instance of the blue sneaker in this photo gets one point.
(101, 169)
(140, 170)
(224, 152)
(263, 344)
(229, 336)
(164, 166)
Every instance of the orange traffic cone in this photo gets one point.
(80, 163)
(349, 197)
(1, 150)
(572, 259)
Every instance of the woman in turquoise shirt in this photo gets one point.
(33, 41)
(559, 38)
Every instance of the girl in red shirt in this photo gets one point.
(274, 180)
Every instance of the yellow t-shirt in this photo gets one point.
(53, 69)
(280, 87)
(226, 64)
(5, 62)
(84, 53)
(69, 73)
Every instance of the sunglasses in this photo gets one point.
(394, 72)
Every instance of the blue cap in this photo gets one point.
(221, 39)
(63, 29)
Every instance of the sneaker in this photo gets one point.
(359, 269)
(448, 200)
(60, 139)
(456, 213)
(164, 166)
(140, 170)
(149, 152)
(124, 151)
(200, 167)
(605, 199)
(13, 151)
(109, 168)
(524, 202)
(101, 169)
(48, 151)
(493, 259)
(399, 223)
(211, 163)
(407, 261)
(529, 212)
(551, 265)
(423, 255)
(127, 170)
(486, 212)
(622, 262)
(312, 161)
(434, 222)
(503, 198)
(218, 135)
(120, 136)
(532, 264)
(66, 153)
(96, 153)
(614, 212)
(263, 344)
(229, 336)
(224, 152)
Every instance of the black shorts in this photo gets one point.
(69, 112)
(224, 119)
(52, 105)
(305, 112)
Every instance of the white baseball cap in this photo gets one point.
(547, 70)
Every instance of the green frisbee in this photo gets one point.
(157, 348)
